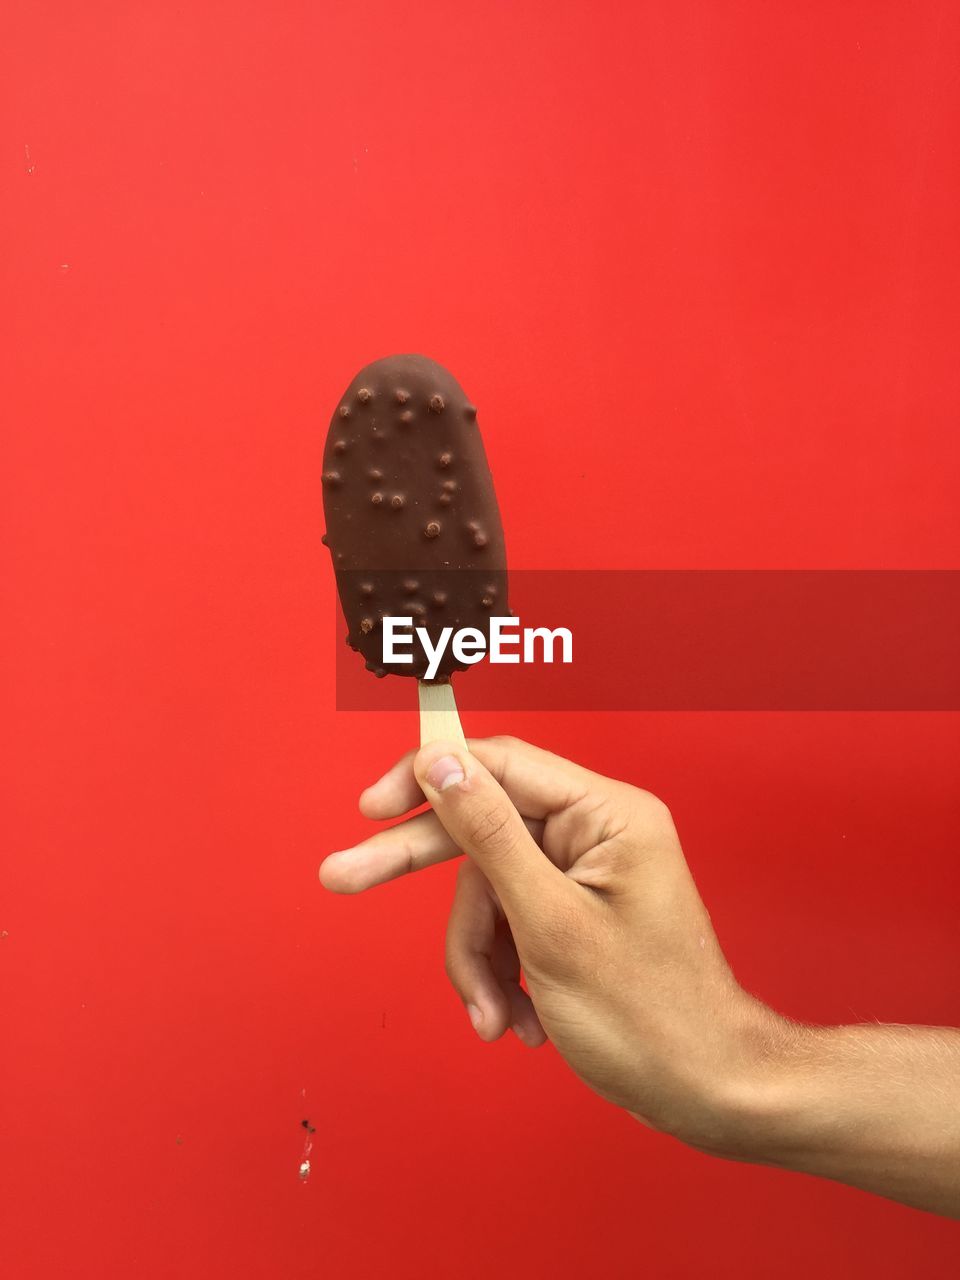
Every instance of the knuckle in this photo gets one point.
(508, 745)
(407, 859)
(659, 808)
(649, 810)
(658, 815)
(489, 828)
(450, 961)
(648, 803)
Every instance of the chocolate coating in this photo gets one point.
(410, 430)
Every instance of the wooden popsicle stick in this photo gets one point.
(439, 718)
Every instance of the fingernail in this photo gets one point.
(476, 1016)
(445, 772)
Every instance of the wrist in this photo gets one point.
(720, 1079)
(742, 1105)
(769, 1108)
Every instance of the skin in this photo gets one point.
(579, 882)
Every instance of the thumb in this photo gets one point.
(482, 819)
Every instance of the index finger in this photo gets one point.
(538, 782)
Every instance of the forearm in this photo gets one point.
(874, 1106)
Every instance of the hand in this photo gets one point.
(579, 881)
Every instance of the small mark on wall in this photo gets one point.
(304, 1170)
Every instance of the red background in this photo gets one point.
(698, 265)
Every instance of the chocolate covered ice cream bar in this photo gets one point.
(412, 519)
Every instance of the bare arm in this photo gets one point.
(874, 1106)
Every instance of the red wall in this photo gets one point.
(726, 230)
